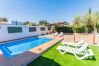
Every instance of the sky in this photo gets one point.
(50, 10)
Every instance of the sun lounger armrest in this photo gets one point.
(90, 52)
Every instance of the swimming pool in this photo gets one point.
(21, 46)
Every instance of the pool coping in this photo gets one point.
(32, 59)
(17, 39)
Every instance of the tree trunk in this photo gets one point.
(95, 32)
(74, 37)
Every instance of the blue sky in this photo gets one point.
(50, 10)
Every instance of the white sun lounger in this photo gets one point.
(56, 33)
(88, 53)
(64, 49)
(82, 50)
(61, 34)
(81, 42)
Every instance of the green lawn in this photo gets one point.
(53, 58)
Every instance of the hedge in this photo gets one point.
(70, 29)
(64, 29)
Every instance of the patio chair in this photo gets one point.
(56, 33)
(61, 34)
(79, 43)
(64, 49)
(88, 53)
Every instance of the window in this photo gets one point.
(14, 29)
(32, 29)
(42, 28)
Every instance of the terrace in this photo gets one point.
(49, 33)
(52, 56)
(46, 51)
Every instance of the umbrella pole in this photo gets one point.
(74, 37)
(94, 39)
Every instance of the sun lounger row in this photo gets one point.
(60, 34)
(79, 50)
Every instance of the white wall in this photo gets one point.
(5, 36)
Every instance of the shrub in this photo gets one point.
(64, 29)
(81, 29)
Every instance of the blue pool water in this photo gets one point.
(21, 46)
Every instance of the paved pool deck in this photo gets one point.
(87, 38)
(25, 58)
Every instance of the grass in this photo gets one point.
(53, 58)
